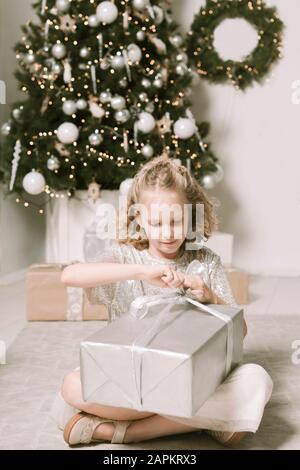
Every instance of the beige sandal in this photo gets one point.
(226, 438)
(80, 429)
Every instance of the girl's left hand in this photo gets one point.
(194, 284)
(198, 288)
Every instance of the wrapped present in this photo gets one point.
(48, 299)
(167, 355)
(239, 283)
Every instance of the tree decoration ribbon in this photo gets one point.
(256, 65)
(15, 163)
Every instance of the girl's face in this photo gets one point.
(162, 216)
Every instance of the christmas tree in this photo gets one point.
(107, 87)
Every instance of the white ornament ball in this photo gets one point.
(17, 113)
(81, 104)
(125, 186)
(53, 163)
(176, 40)
(122, 116)
(146, 83)
(184, 128)
(105, 97)
(158, 83)
(95, 139)
(69, 107)
(123, 82)
(93, 21)
(146, 122)
(182, 57)
(181, 69)
(208, 181)
(67, 133)
(57, 69)
(140, 4)
(148, 151)
(62, 5)
(107, 12)
(6, 129)
(59, 51)
(84, 52)
(34, 183)
(117, 62)
(134, 53)
(29, 58)
(140, 35)
(118, 102)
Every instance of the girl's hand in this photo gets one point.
(199, 289)
(161, 276)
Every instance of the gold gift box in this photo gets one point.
(47, 298)
(239, 283)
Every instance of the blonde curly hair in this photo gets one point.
(166, 173)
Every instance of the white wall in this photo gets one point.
(255, 134)
(21, 230)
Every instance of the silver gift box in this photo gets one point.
(168, 361)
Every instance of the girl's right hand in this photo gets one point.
(162, 276)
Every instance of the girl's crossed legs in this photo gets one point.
(144, 425)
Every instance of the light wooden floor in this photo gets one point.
(44, 352)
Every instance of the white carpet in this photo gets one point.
(43, 352)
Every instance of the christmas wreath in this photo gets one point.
(200, 41)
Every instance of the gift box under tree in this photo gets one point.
(48, 299)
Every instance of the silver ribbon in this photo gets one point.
(140, 308)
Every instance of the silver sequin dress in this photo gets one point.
(117, 297)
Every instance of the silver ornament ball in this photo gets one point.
(53, 163)
(93, 21)
(57, 69)
(84, 52)
(143, 97)
(59, 51)
(122, 116)
(6, 129)
(176, 40)
(146, 83)
(81, 104)
(123, 82)
(95, 139)
(105, 97)
(118, 62)
(69, 107)
(158, 83)
(208, 181)
(148, 151)
(29, 58)
(62, 5)
(17, 113)
(181, 69)
(140, 35)
(182, 57)
(140, 4)
(107, 12)
(118, 102)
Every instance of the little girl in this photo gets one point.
(150, 261)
